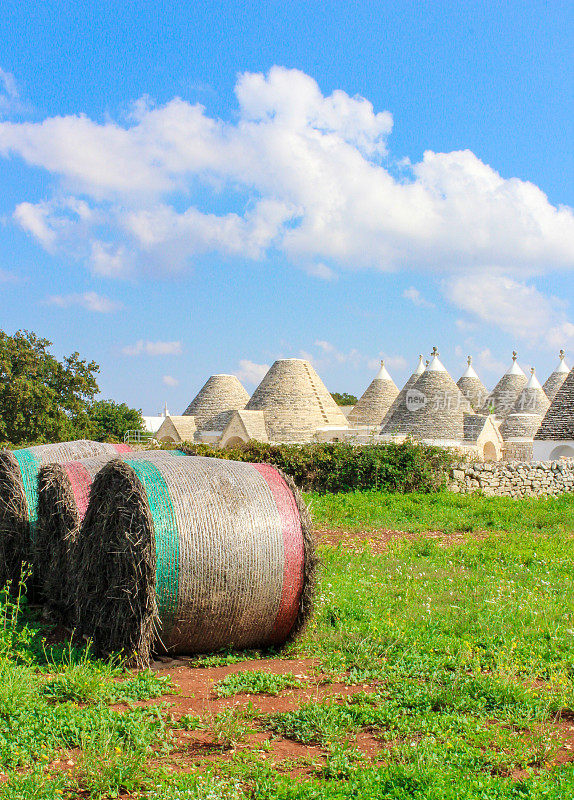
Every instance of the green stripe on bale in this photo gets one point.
(166, 537)
(29, 468)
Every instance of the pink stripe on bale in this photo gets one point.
(123, 448)
(294, 553)
(81, 482)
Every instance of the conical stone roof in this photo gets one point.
(504, 395)
(374, 404)
(558, 423)
(295, 401)
(400, 398)
(520, 426)
(216, 401)
(557, 378)
(472, 387)
(532, 399)
(433, 409)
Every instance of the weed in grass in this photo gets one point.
(255, 682)
(36, 786)
(199, 787)
(312, 723)
(225, 658)
(227, 728)
(83, 679)
(109, 765)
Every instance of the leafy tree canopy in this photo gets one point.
(344, 399)
(111, 420)
(43, 399)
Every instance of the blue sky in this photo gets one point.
(206, 187)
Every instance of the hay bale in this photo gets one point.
(191, 555)
(63, 496)
(19, 495)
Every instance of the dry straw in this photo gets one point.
(19, 495)
(63, 496)
(191, 555)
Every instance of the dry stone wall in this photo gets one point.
(515, 478)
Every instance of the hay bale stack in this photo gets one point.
(190, 555)
(19, 494)
(63, 497)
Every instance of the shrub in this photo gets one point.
(339, 467)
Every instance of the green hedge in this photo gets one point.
(336, 467)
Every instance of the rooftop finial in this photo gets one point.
(469, 359)
(382, 363)
(532, 370)
(514, 355)
(562, 355)
(435, 351)
(427, 362)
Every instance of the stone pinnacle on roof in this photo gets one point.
(557, 378)
(296, 402)
(216, 401)
(532, 398)
(504, 395)
(472, 387)
(375, 402)
(558, 423)
(433, 409)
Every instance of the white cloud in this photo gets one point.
(7, 277)
(353, 357)
(391, 362)
(169, 380)
(250, 372)
(485, 360)
(518, 308)
(416, 298)
(153, 349)
(300, 172)
(34, 219)
(91, 301)
(321, 271)
(9, 94)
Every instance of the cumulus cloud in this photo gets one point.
(293, 171)
(518, 308)
(169, 380)
(250, 372)
(487, 361)
(353, 357)
(321, 271)
(91, 301)
(414, 295)
(9, 94)
(153, 349)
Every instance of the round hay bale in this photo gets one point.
(191, 555)
(63, 497)
(19, 495)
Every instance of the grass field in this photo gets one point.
(455, 662)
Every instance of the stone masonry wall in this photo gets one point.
(515, 478)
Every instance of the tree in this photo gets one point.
(111, 420)
(43, 399)
(344, 399)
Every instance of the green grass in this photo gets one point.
(255, 682)
(463, 656)
(442, 511)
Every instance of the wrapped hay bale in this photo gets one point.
(63, 496)
(190, 555)
(19, 494)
